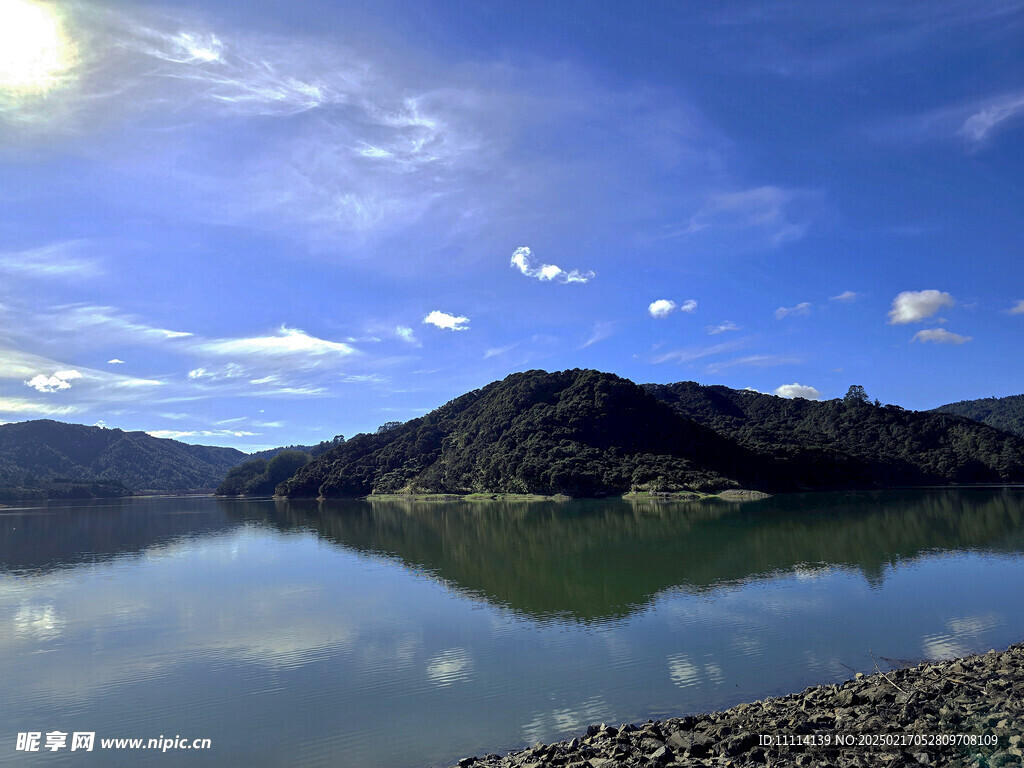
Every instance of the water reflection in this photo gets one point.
(599, 560)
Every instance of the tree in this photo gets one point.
(387, 426)
(856, 395)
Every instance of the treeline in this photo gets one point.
(587, 433)
(259, 477)
(1006, 413)
(311, 450)
(851, 442)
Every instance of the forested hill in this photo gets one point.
(851, 442)
(579, 432)
(587, 433)
(590, 433)
(51, 458)
(1006, 413)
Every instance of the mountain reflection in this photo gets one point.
(600, 560)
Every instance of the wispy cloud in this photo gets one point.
(287, 342)
(497, 351)
(845, 297)
(974, 122)
(697, 353)
(803, 308)
(522, 259)
(407, 335)
(798, 390)
(82, 317)
(33, 370)
(915, 306)
(940, 336)
(755, 361)
(115, 361)
(723, 327)
(600, 332)
(1017, 309)
(771, 211)
(177, 434)
(990, 114)
(446, 321)
(56, 260)
(22, 406)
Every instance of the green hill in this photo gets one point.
(579, 432)
(1005, 413)
(51, 459)
(587, 433)
(850, 442)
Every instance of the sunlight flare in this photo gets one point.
(35, 52)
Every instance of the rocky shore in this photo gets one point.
(965, 712)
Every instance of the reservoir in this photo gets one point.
(401, 634)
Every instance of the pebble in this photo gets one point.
(975, 696)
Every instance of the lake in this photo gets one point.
(410, 634)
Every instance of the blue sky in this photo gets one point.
(270, 223)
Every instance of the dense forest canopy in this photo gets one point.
(1005, 413)
(587, 433)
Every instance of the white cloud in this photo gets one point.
(1017, 309)
(940, 336)
(286, 342)
(690, 305)
(229, 371)
(661, 307)
(844, 296)
(521, 260)
(798, 390)
(915, 306)
(20, 405)
(115, 361)
(62, 259)
(60, 380)
(723, 327)
(446, 321)
(406, 334)
(96, 384)
(803, 308)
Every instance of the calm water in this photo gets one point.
(404, 635)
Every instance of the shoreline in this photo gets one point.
(730, 494)
(961, 712)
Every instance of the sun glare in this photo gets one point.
(35, 53)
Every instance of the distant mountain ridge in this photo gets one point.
(46, 458)
(588, 433)
(1006, 413)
